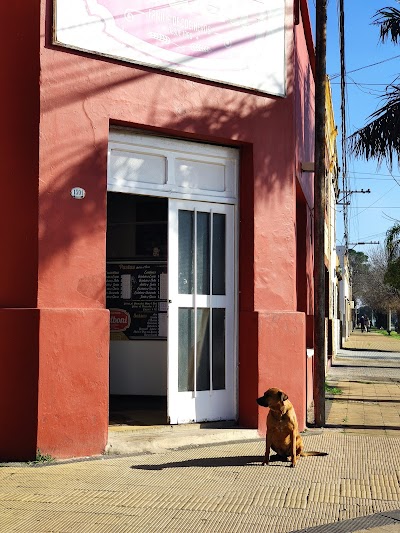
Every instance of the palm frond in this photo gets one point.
(392, 242)
(380, 138)
(388, 18)
(392, 247)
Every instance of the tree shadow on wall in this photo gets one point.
(71, 231)
(263, 127)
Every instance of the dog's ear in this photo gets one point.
(283, 396)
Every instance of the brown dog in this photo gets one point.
(282, 429)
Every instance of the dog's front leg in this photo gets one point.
(294, 448)
(267, 448)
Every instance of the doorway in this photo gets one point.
(170, 292)
(137, 300)
(171, 280)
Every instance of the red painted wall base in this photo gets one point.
(282, 360)
(54, 386)
(19, 334)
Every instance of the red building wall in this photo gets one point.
(56, 267)
(304, 113)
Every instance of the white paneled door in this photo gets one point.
(201, 315)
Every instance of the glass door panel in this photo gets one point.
(203, 350)
(186, 349)
(186, 251)
(218, 252)
(218, 348)
(202, 252)
(201, 341)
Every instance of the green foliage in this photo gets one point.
(392, 245)
(380, 138)
(388, 18)
(332, 390)
(359, 267)
(42, 458)
(358, 261)
(392, 274)
(392, 242)
(393, 334)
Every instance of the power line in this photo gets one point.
(373, 235)
(373, 174)
(366, 66)
(375, 179)
(373, 203)
(360, 83)
(375, 207)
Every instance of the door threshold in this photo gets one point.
(219, 424)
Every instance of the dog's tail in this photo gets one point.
(312, 454)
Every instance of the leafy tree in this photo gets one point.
(371, 290)
(380, 138)
(359, 268)
(380, 294)
(392, 245)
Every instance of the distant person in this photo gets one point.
(367, 324)
(362, 323)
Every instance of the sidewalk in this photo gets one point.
(369, 376)
(372, 341)
(221, 487)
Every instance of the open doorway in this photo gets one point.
(136, 295)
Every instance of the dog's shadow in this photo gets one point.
(214, 462)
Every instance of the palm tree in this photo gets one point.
(388, 18)
(380, 138)
(392, 247)
(392, 242)
(392, 274)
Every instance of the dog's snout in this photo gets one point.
(261, 401)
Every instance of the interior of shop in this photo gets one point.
(136, 295)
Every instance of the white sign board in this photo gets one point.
(235, 42)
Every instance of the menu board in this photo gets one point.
(136, 295)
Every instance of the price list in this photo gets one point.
(136, 295)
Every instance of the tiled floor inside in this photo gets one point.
(127, 410)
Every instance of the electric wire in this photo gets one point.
(336, 75)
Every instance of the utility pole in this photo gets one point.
(319, 216)
(344, 200)
(357, 243)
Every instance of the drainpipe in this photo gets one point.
(319, 216)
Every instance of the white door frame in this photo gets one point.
(205, 405)
(178, 169)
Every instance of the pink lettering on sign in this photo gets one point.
(238, 42)
(217, 30)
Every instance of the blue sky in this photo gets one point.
(368, 213)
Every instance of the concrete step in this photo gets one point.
(124, 440)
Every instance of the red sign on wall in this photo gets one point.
(120, 320)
